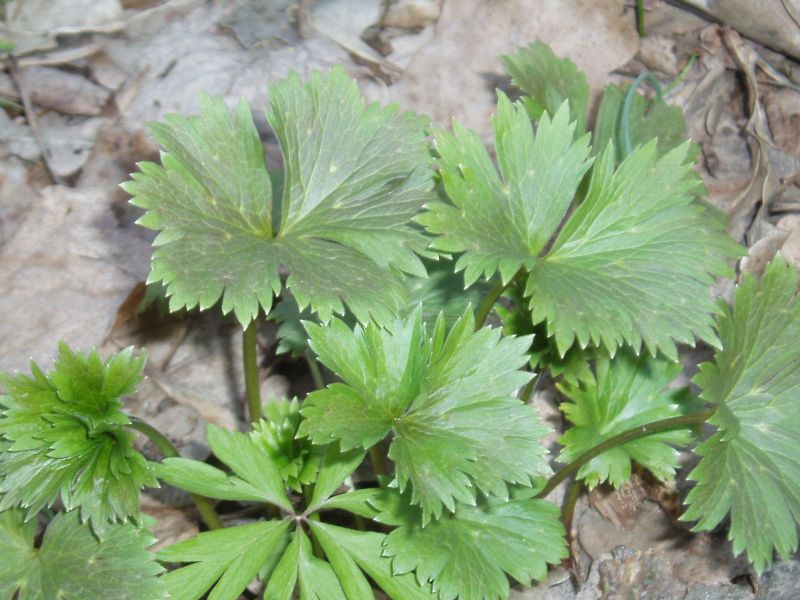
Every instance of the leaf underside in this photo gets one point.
(627, 391)
(67, 439)
(354, 177)
(446, 398)
(72, 563)
(751, 466)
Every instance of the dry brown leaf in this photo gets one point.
(258, 24)
(127, 311)
(456, 74)
(34, 25)
(791, 247)
(194, 362)
(344, 22)
(410, 14)
(63, 274)
(783, 114)
(65, 92)
(773, 23)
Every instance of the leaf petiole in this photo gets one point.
(627, 105)
(378, 463)
(640, 18)
(316, 372)
(249, 357)
(168, 449)
(681, 422)
(567, 514)
(489, 300)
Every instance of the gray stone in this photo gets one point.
(722, 591)
(632, 573)
(781, 582)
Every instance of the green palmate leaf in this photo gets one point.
(446, 398)
(336, 466)
(571, 367)
(647, 120)
(66, 435)
(16, 548)
(350, 552)
(256, 476)
(468, 554)
(549, 81)
(225, 559)
(72, 564)
(627, 392)
(298, 567)
(356, 502)
(634, 262)
(354, 177)
(501, 221)
(751, 466)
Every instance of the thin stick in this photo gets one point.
(167, 448)
(32, 120)
(681, 422)
(251, 382)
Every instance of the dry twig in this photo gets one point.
(32, 120)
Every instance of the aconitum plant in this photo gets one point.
(593, 250)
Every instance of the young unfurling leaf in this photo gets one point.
(296, 459)
(67, 438)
